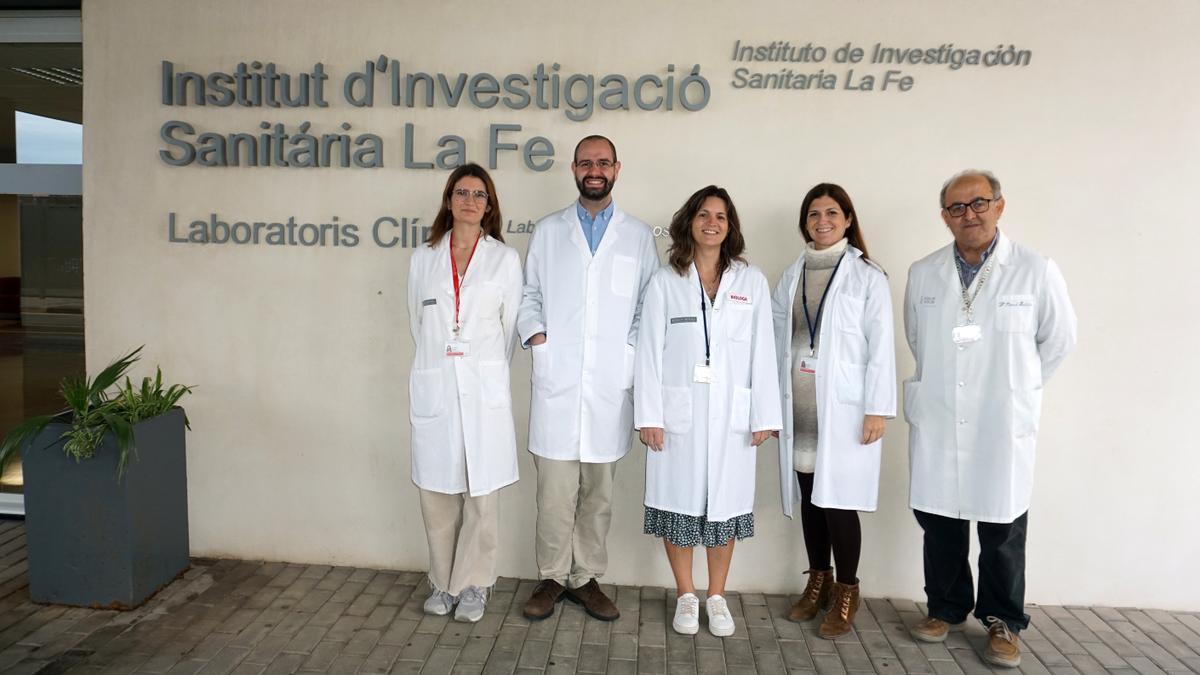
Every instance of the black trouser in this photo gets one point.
(948, 584)
(829, 529)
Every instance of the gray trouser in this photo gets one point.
(462, 532)
(574, 511)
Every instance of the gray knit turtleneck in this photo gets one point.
(818, 270)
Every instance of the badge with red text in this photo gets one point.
(458, 348)
(807, 365)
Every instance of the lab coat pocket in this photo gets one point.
(425, 393)
(677, 409)
(493, 380)
(739, 416)
(630, 353)
(911, 393)
(1014, 314)
(741, 318)
(850, 312)
(541, 365)
(624, 276)
(851, 379)
(1027, 409)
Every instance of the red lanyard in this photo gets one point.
(457, 283)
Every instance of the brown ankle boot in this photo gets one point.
(840, 618)
(815, 596)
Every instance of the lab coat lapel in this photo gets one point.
(576, 234)
(612, 233)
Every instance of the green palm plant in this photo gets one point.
(92, 412)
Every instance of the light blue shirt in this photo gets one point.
(967, 271)
(594, 228)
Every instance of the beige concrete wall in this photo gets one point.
(299, 449)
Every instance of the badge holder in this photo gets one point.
(703, 374)
(808, 365)
(966, 334)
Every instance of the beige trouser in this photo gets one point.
(462, 532)
(574, 511)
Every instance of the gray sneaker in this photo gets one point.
(471, 603)
(439, 603)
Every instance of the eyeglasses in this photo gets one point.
(978, 205)
(602, 164)
(463, 195)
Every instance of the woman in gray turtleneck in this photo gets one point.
(833, 325)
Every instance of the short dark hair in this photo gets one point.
(683, 247)
(594, 137)
(838, 194)
(444, 221)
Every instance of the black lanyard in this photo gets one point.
(704, 308)
(812, 325)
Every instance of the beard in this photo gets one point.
(594, 193)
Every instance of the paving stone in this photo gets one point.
(769, 663)
(395, 596)
(560, 665)
(566, 643)
(1144, 665)
(398, 632)
(1104, 655)
(738, 653)
(828, 664)
(854, 656)
(680, 649)
(621, 667)
(345, 664)
(652, 659)
(225, 661)
(476, 650)
(912, 659)
(593, 658)
(710, 661)
(362, 642)
(534, 654)
(623, 646)
(652, 634)
(417, 647)
(455, 634)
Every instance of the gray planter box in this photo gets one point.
(94, 541)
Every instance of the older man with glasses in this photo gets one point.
(988, 321)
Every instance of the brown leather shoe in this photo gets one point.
(930, 629)
(1004, 647)
(815, 597)
(594, 601)
(540, 604)
(840, 618)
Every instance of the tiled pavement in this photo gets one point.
(231, 616)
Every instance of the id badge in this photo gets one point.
(807, 365)
(702, 374)
(458, 348)
(965, 334)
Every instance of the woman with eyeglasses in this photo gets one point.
(705, 396)
(833, 331)
(464, 289)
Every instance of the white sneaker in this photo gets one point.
(439, 603)
(471, 603)
(687, 614)
(720, 621)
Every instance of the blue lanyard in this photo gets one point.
(704, 309)
(813, 325)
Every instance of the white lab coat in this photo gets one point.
(460, 408)
(973, 409)
(706, 466)
(856, 376)
(588, 306)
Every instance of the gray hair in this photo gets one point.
(970, 173)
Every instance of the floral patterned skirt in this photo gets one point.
(684, 531)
